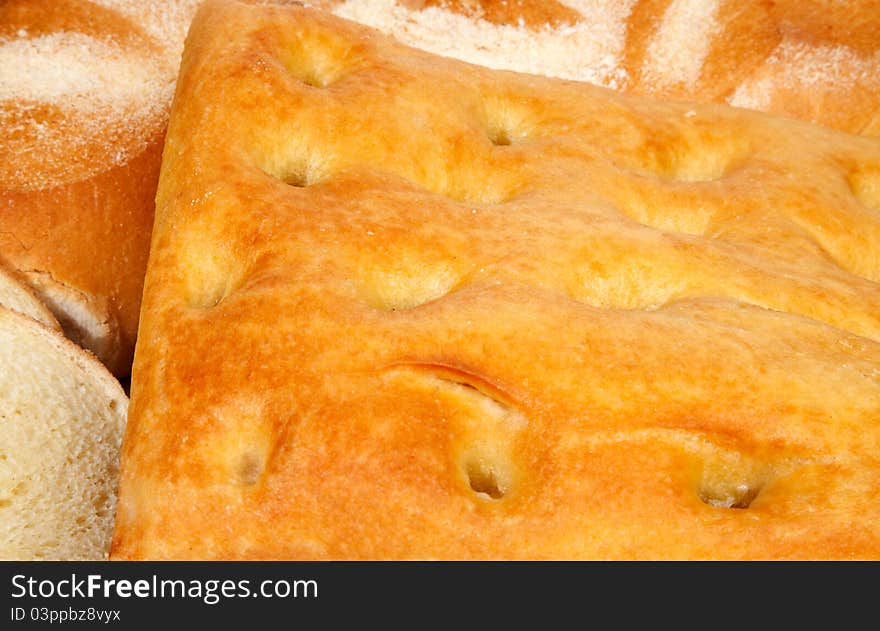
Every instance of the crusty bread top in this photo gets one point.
(398, 306)
(817, 60)
(85, 90)
(84, 86)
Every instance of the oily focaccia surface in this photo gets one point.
(398, 307)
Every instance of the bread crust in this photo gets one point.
(398, 307)
(814, 60)
(63, 419)
(16, 295)
(92, 259)
(79, 169)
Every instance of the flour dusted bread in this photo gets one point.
(398, 307)
(818, 60)
(62, 416)
(85, 89)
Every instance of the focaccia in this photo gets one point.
(402, 307)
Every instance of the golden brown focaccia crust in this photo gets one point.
(399, 307)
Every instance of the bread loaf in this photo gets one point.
(85, 89)
(817, 60)
(398, 306)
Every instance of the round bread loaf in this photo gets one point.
(817, 60)
(85, 89)
(62, 416)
